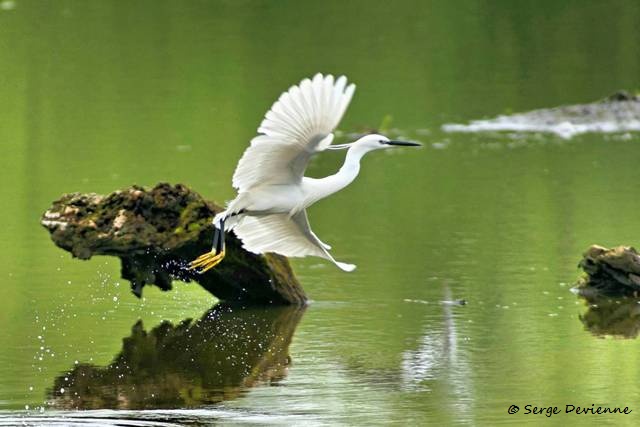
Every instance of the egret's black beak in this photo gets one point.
(404, 143)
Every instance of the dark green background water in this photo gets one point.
(99, 95)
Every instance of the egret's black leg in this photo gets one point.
(221, 243)
(218, 234)
(211, 259)
(216, 238)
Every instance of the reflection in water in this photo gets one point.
(216, 358)
(439, 357)
(619, 317)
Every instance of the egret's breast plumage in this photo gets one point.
(274, 198)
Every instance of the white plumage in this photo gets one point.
(298, 125)
(269, 212)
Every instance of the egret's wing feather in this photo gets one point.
(302, 221)
(275, 233)
(299, 124)
(285, 235)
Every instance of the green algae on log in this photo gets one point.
(156, 232)
(216, 358)
(614, 272)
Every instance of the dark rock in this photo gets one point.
(621, 96)
(156, 233)
(613, 271)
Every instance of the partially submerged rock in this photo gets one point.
(191, 364)
(156, 232)
(619, 112)
(613, 271)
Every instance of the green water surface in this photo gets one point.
(99, 95)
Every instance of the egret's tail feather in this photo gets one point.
(219, 217)
(231, 217)
(231, 222)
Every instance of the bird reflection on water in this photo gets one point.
(218, 357)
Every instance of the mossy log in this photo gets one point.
(613, 271)
(156, 232)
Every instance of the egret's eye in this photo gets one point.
(382, 141)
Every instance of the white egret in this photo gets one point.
(269, 212)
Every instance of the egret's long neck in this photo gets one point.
(324, 187)
(351, 167)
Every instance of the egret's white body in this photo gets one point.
(269, 212)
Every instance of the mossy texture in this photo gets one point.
(157, 232)
(614, 271)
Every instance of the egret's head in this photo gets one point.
(377, 142)
(373, 142)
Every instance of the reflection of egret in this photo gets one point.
(439, 358)
(269, 212)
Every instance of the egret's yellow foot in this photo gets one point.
(206, 261)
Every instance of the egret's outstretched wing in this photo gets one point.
(285, 235)
(299, 124)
